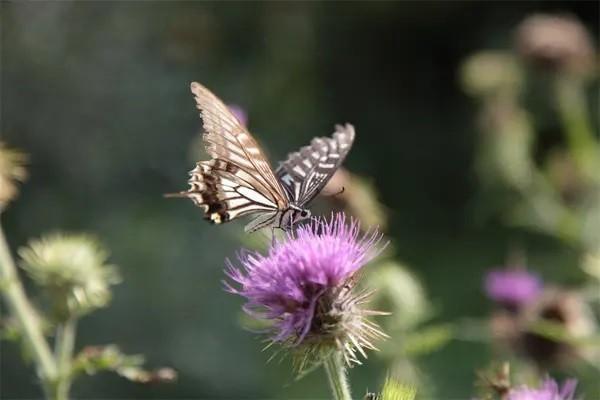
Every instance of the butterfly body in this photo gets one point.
(239, 181)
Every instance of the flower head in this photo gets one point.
(556, 42)
(548, 390)
(512, 287)
(72, 269)
(304, 286)
(11, 170)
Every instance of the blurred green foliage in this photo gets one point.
(97, 94)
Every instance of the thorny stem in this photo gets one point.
(22, 310)
(336, 374)
(65, 343)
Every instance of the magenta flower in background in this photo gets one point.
(239, 113)
(512, 287)
(549, 390)
(304, 286)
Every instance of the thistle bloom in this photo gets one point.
(548, 390)
(304, 286)
(512, 287)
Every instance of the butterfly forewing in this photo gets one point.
(225, 137)
(238, 180)
(306, 172)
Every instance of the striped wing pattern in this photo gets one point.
(306, 172)
(238, 180)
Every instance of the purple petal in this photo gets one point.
(515, 287)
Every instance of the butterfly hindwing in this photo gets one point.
(222, 190)
(306, 171)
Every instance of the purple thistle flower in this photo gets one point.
(548, 390)
(512, 287)
(304, 286)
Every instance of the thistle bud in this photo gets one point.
(12, 170)
(73, 272)
(490, 72)
(556, 42)
(553, 326)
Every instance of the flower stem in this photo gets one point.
(336, 374)
(65, 343)
(573, 111)
(22, 310)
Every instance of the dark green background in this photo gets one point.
(98, 94)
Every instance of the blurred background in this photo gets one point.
(98, 95)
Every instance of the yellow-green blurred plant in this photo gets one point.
(393, 390)
(72, 271)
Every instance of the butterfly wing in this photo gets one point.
(306, 172)
(238, 180)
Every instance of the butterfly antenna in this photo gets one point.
(176, 195)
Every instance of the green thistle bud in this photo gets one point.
(490, 72)
(73, 271)
(12, 170)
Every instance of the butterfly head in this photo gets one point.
(292, 216)
(301, 215)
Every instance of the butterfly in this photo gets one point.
(238, 180)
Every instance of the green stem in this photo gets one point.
(21, 309)
(574, 114)
(65, 344)
(336, 374)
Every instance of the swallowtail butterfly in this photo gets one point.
(238, 179)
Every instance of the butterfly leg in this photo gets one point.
(272, 236)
